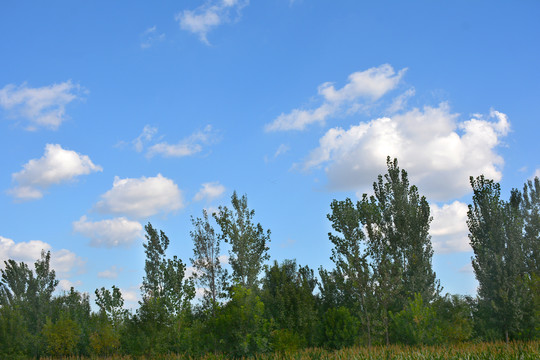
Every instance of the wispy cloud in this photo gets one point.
(190, 145)
(111, 273)
(150, 37)
(209, 16)
(56, 166)
(368, 85)
(39, 107)
(209, 191)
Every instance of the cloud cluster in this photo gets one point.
(40, 107)
(109, 233)
(439, 152)
(368, 85)
(141, 197)
(56, 166)
(210, 191)
(449, 228)
(63, 261)
(209, 16)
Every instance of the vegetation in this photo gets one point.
(382, 299)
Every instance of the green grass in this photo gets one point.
(465, 351)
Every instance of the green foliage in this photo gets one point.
(496, 229)
(14, 336)
(62, 336)
(249, 242)
(209, 273)
(416, 324)
(241, 326)
(105, 340)
(289, 302)
(454, 318)
(340, 328)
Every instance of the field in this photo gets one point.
(468, 351)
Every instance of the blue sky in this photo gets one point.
(116, 114)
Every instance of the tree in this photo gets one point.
(30, 292)
(249, 242)
(384, 248)
(241, 325)
(495, 228)
(111, 304)
(166, 295)
(350, 256)
(208, 270)
(287, 294)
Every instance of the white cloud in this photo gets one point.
(142, 197)
(56, 166)
(111, 273)
(63, 261)
(147, 135)
(151, 36)
(400, 101)
(368, 85)
(438, 152)
(28, 252)
(210, 191)
(282, 149)
(189, 146)
(40, 107)
(66, 285)
(208, 16)
(449, 228)
(536, 173)
(109, 233)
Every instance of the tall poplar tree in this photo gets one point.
(208, 270)
(495, 228)
(396, 219)
(351, 258)
(248, 240)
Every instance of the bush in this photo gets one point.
(340, 328)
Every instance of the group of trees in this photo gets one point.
(382, 289)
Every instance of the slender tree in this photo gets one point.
(208, 273)
(495, 228)
(396, 219)
(249, 242)
(350, 256)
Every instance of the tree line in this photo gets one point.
(382, 289)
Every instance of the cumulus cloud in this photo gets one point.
(536, 174)
(142, 197)
(209, 16)
(39, 107)
(449, 228)
(438, 152)
(111, 273)
(151, 36)
(56, 166)
(63, 261)
(191, 145)
(368, 85)
(109, 233)
(210, 191)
